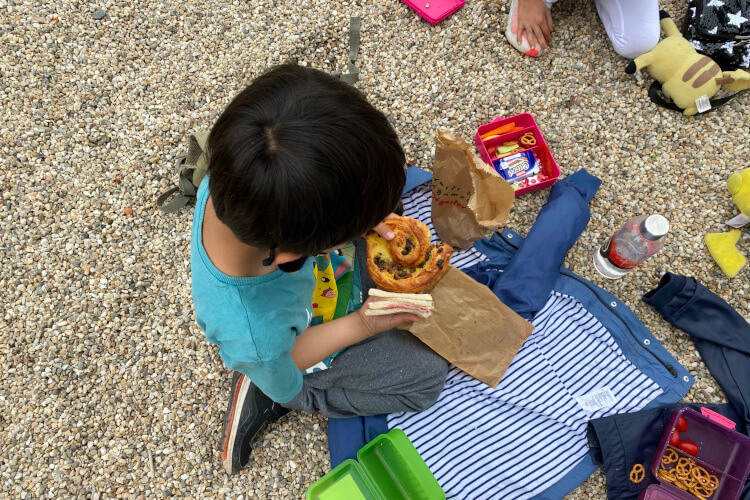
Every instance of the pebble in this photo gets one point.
(109, 388)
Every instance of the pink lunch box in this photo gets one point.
(549, 168)
(435, 11)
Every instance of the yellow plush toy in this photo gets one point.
(686, 76)
(723, 250)
(739, 188)
(722, 245)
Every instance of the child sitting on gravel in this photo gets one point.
(301, 164)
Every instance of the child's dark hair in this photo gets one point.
(302, 162)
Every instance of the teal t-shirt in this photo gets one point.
(255, 320)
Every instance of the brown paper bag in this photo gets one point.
(471, 328)
(468, 196)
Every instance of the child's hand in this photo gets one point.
(535, 19)
(383, 230)
(377, 324)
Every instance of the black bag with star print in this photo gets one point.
(721, 30)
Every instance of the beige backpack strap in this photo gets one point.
(197, 155)
(191, 169)
(352, 74)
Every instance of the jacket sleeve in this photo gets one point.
(531, 274)
(720, 333)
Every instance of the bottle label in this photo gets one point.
(609, 251)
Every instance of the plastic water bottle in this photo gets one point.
(640, 238)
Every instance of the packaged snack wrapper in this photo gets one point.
(471, 328)
(468, 196)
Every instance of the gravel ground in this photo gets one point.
(108, 388)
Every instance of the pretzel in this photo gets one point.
(687, 475)
(683, 467)
(701, 492)
(637, 473)
(684, 483)
(700, 475)
(669, 457)
(699, 496)
(713, 482)
(528, 139)
(665, 475)
(408, 263)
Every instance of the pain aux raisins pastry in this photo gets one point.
(408, 263)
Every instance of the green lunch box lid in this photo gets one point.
(345, 482)
(395, 468)
(389, 468)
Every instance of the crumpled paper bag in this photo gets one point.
(468, 196)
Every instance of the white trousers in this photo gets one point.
(632, 25)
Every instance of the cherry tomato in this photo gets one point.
(681, 424)
(688, 447)
(674, 439)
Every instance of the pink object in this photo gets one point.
(718, 418)
(721, 451)
(550, 170)
(435, 11)
(404, 306)
(656, 492)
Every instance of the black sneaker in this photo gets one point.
(248, 413)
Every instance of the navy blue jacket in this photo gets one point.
(531, 274)
(721, 335)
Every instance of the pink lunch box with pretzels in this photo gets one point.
(525, 131)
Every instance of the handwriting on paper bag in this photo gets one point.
(450, 195)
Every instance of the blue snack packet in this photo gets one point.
(517, 166)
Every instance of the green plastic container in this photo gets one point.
(389, 468)
(346, 481)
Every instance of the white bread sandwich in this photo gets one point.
(420, 304)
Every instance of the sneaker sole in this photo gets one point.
(230, 431)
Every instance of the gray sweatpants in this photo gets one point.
(390, 372)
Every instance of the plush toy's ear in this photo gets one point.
(667, 24)
(640, 62)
